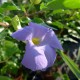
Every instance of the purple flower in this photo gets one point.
(41, 43)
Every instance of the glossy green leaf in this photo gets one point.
(16, 23)
(73, 66)
(5, 78)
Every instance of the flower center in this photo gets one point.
(36, 41)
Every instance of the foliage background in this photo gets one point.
(63, 16)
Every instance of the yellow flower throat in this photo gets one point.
(36, 41)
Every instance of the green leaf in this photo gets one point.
(58, 24)
(35, 1)
(73, 66)
(65, 77)
(43, 6)
(11, 66)
(38, 20)
(5, 78)
(59, 11)
(7, 18)
(10, 48)
(9, 6)
(72, 4)
(3, 34)
(63, 4)
(1, 10)
(16, 23)
(23, 8)
(56, 4)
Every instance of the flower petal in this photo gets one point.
(38, 58)
(23, 34)
(38, 29)
(50, 55)
(51, 39)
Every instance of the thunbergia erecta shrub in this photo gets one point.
(41, 45)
